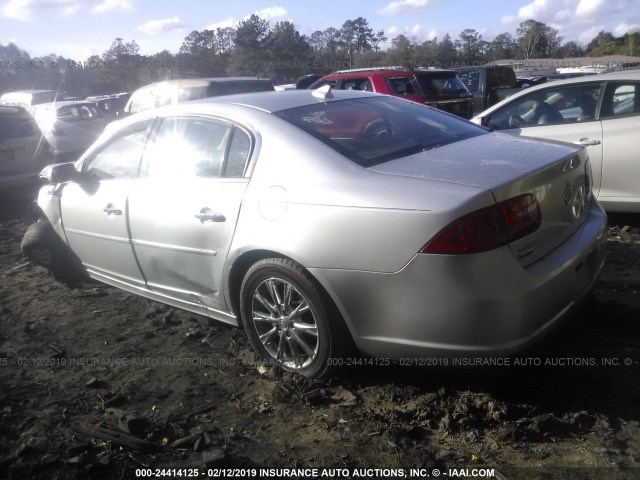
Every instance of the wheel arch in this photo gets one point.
(239, 269)
(243, 263)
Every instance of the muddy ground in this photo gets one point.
(98, 383)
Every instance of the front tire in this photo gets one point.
(43, 246)
(290, 320)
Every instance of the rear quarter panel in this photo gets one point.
(311, 204)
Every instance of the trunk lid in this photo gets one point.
(557, 173)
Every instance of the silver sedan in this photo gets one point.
(322, 220)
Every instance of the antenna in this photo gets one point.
(323, 92)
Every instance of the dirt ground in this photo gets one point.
(98, 383)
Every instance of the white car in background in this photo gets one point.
(601, 112)
(70, 127)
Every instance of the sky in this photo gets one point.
(77, 29)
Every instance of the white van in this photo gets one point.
(171, 92)
(28, 98)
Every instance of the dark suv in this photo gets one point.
(23, 150)
(437, 88)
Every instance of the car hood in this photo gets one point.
(487, 161)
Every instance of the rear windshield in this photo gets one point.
(374, 130)
(441, 83)
(16, 126)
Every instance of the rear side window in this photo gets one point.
(370, 131)
(402, 85)
(441, 84)
(622, 99)
(239, 150)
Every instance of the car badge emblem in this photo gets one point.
(568, 193)
(578, 204)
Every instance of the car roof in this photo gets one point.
(267, 102)
(63, 103)
(386, 72)
(272, 102)
(196, 82)
(601, 77)
(29, 91)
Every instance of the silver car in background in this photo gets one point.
(318, 219)
(601, 112)
(69, 126)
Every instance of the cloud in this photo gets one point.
(414, 32)
(579, 20)
(112, 5)
(226, 23)
(23, 9)
(548, 11)
(591, 7)
(166, 25)
(26, 9)
(623, 28)
(398, 7)
(271, 13)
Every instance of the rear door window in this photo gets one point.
(187, 147)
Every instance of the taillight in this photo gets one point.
(488, 228)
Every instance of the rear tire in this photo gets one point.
(290, 320)
(42, 245)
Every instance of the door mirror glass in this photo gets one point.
(60, 173)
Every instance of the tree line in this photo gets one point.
(280, 52)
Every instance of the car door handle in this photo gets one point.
(206, 215)
(587, 142)
(110, 210)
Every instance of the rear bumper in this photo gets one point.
(484, 304)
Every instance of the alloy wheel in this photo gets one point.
(285, 323)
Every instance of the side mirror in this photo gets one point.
(59, 173)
